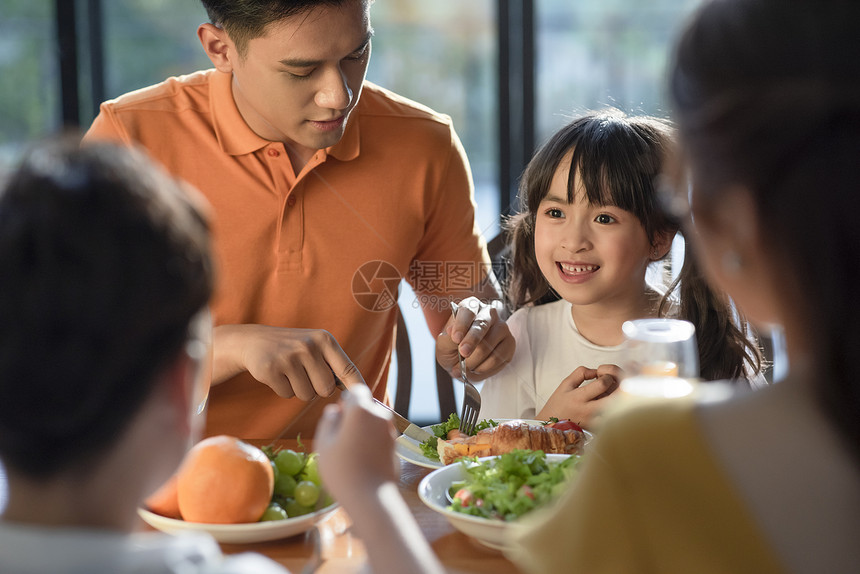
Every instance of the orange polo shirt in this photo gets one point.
(300, 249)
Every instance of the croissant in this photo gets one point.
(508, 436)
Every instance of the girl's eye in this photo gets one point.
(604, 219)
(554, 212)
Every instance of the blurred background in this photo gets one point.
(509, 73)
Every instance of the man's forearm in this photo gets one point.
(226, 359)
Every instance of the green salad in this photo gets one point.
(511, 485)
(428, 447)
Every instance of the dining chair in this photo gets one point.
(403, 394)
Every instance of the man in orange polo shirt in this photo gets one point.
(326, 190)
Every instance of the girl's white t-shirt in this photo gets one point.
(549, 348)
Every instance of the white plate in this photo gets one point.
(433, 488)
(240, 533)
(409, 449)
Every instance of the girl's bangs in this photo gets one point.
(608, 180)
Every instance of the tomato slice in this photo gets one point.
(464, 496)
(565, 425)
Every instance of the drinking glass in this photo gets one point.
(778, 352)
(661, 358)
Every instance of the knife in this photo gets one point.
(403, 425)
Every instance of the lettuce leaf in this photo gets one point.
(512, 485)
(428, 447)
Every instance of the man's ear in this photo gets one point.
(217, 46)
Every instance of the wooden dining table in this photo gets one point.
(343, 553)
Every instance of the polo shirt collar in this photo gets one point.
(233, 133)
(236, 138)
(349, 145)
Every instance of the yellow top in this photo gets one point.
(650, 498)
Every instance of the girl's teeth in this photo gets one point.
(577, 268)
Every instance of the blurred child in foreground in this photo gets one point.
(106, 276)
(107, 273)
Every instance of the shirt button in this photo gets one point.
(291, 201)
(273, 152)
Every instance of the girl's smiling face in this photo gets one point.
(590, 254)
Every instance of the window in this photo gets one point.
(603, 53)
(29, 79)
(442, 54)
(146, 41)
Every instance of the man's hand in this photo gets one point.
(481, 337)
(582, 404)
(292, 362)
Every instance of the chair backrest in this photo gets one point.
(404, 367)
(403, 394)
(500, 256)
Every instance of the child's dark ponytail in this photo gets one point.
(727, 348)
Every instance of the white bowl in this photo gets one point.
(240, 533)
(433, 492)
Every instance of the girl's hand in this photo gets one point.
(581, 404)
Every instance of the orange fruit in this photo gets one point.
(165, 500)
(224, 481)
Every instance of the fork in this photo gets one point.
(471, 396)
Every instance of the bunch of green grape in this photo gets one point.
(298, 487)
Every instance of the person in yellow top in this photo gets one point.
(765, 96)
(766, 100)
(326, 191)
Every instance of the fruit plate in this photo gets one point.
(240, 533)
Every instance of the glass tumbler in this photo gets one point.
(661, 358)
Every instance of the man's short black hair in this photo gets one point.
(245, 20)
